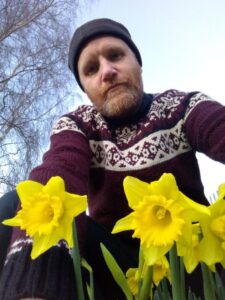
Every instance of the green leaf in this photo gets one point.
(220, 290)
(86, 265)
(90, 289)
(117, 273)
(208, 284)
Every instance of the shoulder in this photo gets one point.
(178, 100)
(177, 95)
(168, 104)
(69, 120)
(173, 95)
(84, 119)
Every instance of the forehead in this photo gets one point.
(99, 44)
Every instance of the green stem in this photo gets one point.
(182, 276)
(77, 264)
(209, 288)
(146, 284)
(177, 292)
(140, 269)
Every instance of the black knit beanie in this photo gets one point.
(92, 29)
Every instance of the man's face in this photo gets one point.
(111, 76)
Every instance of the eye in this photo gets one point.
(115, 55)
(91, 69)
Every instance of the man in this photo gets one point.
(125, 132)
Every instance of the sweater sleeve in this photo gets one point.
(205, 126)
(51, 275)
(68, 157)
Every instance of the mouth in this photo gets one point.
(115, 86)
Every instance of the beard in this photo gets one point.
(122, 101)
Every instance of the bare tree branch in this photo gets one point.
(35, 83)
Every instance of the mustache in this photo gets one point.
(114, 85)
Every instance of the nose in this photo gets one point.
(108, 70)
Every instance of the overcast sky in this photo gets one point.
(182, 43)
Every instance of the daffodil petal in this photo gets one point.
(43, 243)
(166, 185)
(211, 251)
(190, 262)
(75, 204)
(152, 254)
(16, 221)
(194, 209)
(217, 208)
(55, 186)
(123, 224)
(221, 191)
(223, 263)
(27, 188)
(186, 238)
(64, 230)
(135, 190)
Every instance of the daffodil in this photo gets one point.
(161, 215)
(212, 245)
(161, 269)
(132, 280)
(47, 212)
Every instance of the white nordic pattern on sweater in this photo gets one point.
(128, 150)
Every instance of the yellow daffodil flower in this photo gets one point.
(161, 215)
(132, 280)
(212, 246)
(47, 213)
(161, 269)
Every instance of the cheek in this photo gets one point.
(136, 78)
(89, 87)
(94, 95)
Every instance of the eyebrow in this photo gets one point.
(91, 56)
(107, 48)
(114, 47)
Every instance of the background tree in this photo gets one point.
(35, 82)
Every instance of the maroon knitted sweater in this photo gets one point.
(94, 154)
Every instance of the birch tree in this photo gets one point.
(35, 83)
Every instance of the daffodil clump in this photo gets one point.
(47, 212)
(167, 222)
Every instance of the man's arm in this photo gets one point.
(205, 126)
(51, 275)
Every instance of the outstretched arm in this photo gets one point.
(51, 275)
